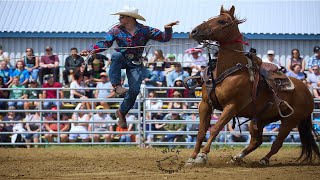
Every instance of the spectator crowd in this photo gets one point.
(20, 80)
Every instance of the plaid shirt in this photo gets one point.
(125, 39)
(313, 61)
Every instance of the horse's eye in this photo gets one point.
(222, 22)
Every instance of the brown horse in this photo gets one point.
(235, 96)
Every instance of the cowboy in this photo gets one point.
(129, 33)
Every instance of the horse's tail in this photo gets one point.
(309, 145)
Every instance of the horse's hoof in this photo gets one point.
(264, 162)
(201, 159)
(189, 163)
(236, 160)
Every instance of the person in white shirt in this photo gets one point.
(103, 94)
(101, 126)
(270, 59)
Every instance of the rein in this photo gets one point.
(239, 39)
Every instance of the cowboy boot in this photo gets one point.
(122, 122)
(119, 90)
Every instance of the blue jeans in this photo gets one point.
(34, 74)
(18, 105)
(135, 75)
(125, 138)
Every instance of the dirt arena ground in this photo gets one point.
(78, 162)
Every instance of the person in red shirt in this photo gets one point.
(49, 65)
(51, 94)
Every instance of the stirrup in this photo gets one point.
(287, 104)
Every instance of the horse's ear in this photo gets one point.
(231, 11)
(222, 10)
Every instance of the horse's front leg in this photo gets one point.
(228, 113)
(205, 111)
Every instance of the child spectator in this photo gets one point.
(127, 137)
(17, 92)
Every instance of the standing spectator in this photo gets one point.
(53, 127)
(81, 127)
(32, 127)
(22, 73)
(49, 65)
(17, 92)
(32, 94)
(4, 56)
(3, 93)
(72, 62)
(296, 59)
(315, 59)
(270, 58)
(5, 73)
(51, 94)
(101, 58)
(177, 72)
(177, 104)
(129, 33)
(101, 126)
(8, 127)
(296, 72)
(32, 63)
(103, 94)
(313, 80)
(78, 91)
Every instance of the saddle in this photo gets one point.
(275, 78)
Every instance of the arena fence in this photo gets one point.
(144, 135)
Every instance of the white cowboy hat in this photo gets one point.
(130, 11)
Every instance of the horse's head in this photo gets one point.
(222, 28)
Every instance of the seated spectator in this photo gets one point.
(296, 59)
(152, 105)
(22, 73)
(170, 63)
(195, 61)
(49, 65)
(271, 128)
(101, 58)
(32, 94)
(103, 94)
(4, 94)
(177, 72)
(173, 128)
(5, 73)
(101, 126)
(315, 59)
(151, 79)
(270, 58)
(178, 83)
(8, 127)
(17, 92)
(4, 56)
(177, 104)
(78, 91)
(192, 127)
(236, 137)
(95, 73)
(51, 94)
(72, 62)
(313, 81)
(127, 137)
(296, 72)
(33, 126)
(159, 64)
(32, 63)
(293, 137)
(54, 127)
(81, 127)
